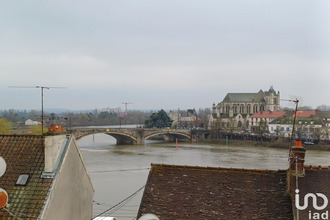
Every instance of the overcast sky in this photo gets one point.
(162, 54)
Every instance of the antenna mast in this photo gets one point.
(294, 122)
(42, 100)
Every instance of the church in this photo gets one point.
(236, 108)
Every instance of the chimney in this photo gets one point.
(297, 159)
(55, 148)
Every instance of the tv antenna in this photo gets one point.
(296, 101)
(42, 99)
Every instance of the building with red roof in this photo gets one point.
(304, 114)
(263, 118)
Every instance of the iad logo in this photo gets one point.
(313, 215)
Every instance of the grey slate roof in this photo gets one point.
(244, 97)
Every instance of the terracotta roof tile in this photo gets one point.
(183, 192)
(316, 180)
(304, 114)
(268, 114)
(24, 154)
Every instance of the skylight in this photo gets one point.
(22, 179)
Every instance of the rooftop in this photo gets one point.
(185, 192)
(244, 97)
(24, 154)
(316, 180)
(304, 114)
(268, 114)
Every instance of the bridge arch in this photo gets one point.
(123, 138)
(132, 135)
(180, 134)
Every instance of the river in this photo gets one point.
(117, 171)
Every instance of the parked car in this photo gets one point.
(308, 143)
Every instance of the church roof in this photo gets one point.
(244, 97)
(271, 90)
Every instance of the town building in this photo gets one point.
(260, 120)
(44, 178)
(30, 122)
(236, 108)
(308, 125)
(183, 119)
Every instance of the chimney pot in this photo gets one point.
(297, 160)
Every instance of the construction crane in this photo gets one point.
(126, 103)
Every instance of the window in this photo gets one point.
(241, 109)
(235, 109)
(255, 108)
(239, 124)
(262, 108)
(248, 109)
(22, 179)
(287, 129)
(227, 109)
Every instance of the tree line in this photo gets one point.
(15, 119)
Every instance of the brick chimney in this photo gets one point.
(297, 159)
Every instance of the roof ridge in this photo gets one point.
(317, 167)
(212, 168)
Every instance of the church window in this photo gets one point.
(248, 109)
(262, 108)
(227, 109)
(241, 109)
(235, 109)
(255, 108)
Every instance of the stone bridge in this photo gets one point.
(134, 135)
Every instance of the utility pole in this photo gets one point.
(42, 100)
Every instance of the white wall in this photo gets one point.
(72, 193)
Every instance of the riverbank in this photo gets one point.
(275, 144)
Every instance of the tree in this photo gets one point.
(204, 117)
(159, 120)
(5, 126)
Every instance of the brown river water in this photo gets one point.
(117, 171)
